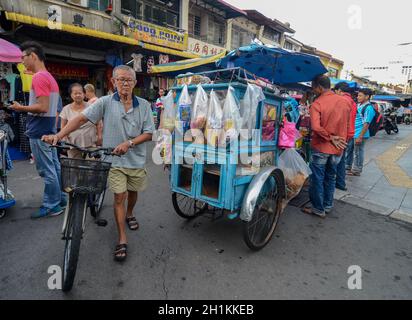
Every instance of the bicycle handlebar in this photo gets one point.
(92, 152)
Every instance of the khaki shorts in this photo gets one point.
(122, 180)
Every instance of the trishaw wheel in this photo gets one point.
(186, 207)
(259, 231)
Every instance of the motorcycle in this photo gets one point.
(389, 123)
(407, 119)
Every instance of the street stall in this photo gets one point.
(15, 84)
(231, 152)
(9, 56)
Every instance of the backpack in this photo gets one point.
(376, 123)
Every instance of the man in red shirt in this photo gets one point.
(342, 89)
(330, 118)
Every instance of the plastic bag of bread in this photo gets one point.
(214, 123)
(232, 122)
(199, 110)
(168, 117)
(183, 112)
(295, 170)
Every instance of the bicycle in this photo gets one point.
(81, 179)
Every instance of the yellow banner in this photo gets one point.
(151, 33)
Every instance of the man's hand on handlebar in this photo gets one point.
(52, 139)
(122, 149)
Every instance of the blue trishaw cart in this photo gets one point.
(208, 178)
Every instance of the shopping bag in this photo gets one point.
(295, 171)
(288, 134)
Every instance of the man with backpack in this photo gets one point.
(366, 124)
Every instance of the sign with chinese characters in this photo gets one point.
(203, 49)
(151, 33)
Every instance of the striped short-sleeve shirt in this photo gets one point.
(43, 85)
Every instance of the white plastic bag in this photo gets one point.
(199, 110)
(232, 121)
(248, 107)
(295, 170)
(163, 149)
(183, 111)
(214, 124)
(168, 117)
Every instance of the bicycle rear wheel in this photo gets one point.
(73, 237)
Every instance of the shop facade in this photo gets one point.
(84, 41)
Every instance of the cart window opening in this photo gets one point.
(269, 123)
(211, 181)
(185, 176)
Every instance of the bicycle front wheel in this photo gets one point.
(97, 204)
(73, 237)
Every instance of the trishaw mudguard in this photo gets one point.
(259, 181)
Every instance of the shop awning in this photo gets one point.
(12, 16)
(190, 65)
(9, 52)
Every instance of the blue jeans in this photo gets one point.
(349, 154)
(358, 157)
(322, 180)
(48, 167)
(341, 172)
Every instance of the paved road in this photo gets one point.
(173, 259)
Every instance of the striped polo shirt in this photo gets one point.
(39, 124)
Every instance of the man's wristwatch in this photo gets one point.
(131, 144)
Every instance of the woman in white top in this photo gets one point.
(88, 134)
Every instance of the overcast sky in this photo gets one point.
(329, 26)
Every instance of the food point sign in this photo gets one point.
(151, 33)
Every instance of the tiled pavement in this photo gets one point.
(386, 183)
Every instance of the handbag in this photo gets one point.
(288, 134)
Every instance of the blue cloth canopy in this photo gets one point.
(351, 84)
(386, 98)
(274, 64)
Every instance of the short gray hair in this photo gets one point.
(89, 87)
(125, 68)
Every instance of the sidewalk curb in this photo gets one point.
(395, 214)
(403, 216)
(364, 204)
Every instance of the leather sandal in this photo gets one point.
(132, 223)
(120, 253)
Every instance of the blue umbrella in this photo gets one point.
(274, 64)
(351, 84)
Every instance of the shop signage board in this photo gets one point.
(202, 48)
(151, 33)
